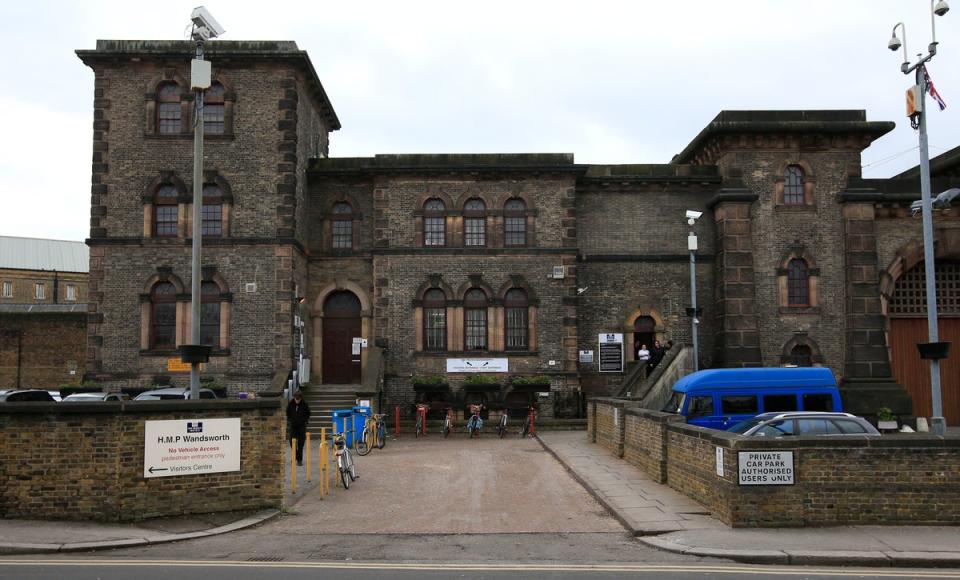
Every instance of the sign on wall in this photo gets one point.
(765, 467)
(191, 447)
(719, 461)
(586, 356)
(476, 365)
(611, 352)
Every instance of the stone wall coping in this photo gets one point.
(655, 416)
(614, 402)
(137, 407)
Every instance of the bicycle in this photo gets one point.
(502, 425)
(529, 427)
(448, 423)
(374, 434)
(345, 464)
(421, 428)
(475, 423)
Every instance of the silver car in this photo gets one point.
(172, 394)
(95, 397)
(800, 423)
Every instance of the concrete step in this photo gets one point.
(324, 399)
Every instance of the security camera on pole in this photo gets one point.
(934, 350)
(693, 311)
(205, 27)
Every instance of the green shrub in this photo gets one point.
(539, 380)
(428, 381)
(481, 379)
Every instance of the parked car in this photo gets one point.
(55, 395)
(173, 393)
(26, 396)
(95, 397)
(804, 424)
(721, 398)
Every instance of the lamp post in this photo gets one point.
(933, 349)
(205, 27)
(693, 311)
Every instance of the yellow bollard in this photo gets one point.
(293, 465)
(309, 453)
(322, 466)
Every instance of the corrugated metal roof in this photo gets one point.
(37, 254)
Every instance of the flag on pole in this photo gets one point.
(932, 90)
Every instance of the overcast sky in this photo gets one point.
(611, 82)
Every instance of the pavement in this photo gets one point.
(663, 518)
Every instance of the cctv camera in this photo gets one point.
(206, 25)
(941, 8)
(693, 215)
(894, 43)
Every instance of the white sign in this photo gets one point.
(476, 365)
(766, 467)
(191, 447)
(611, 337)
(361, 341)
(720, 461)
(586, 356)
(355, 349)
(611, 352)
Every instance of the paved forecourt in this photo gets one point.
(454, 486)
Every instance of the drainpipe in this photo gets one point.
(56, 288)
(19, 353)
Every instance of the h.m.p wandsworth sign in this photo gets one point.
(191, 447)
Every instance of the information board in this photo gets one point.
(477, 365)
(586, 356)
(611, 352)
(191, 447)
(765, 467)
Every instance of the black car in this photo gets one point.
(26, 396)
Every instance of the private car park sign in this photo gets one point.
(191, 447)
(765, 467)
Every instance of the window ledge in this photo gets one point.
(173, 352)
(800, 310)
(186, 137)
(795, 208)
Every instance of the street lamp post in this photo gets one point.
(938, 424)
(693, 311)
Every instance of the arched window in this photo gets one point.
(515, 222)
(793, 193)
(210, 314)
(168, 109)
(801, 355)
(516, 308)
(212, 210)
(434, 223)
(163, 316)
(434, 320)
(475, 223)
(475, 320)
(165, 211)
(342, 226)
(798, 283)
(214, 114)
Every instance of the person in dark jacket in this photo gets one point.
(298, 413)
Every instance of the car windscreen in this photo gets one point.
(675, 404)
(744, 426)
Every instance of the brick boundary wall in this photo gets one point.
(892, 480)
(84, 461)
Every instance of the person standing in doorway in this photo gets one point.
(298, 413)
(643, 355)
(656, 355)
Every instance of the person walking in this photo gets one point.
(298, 413)
(656, 355)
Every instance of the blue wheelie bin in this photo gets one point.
(344, 421)
(360, 416)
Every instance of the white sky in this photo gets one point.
(611, 82)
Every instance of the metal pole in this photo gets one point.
(694, 320)
(197, 231)
(938, 423)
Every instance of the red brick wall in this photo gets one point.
(51, 345)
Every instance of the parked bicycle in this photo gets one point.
(529, 424)
(502, 425)
(345, 464)
(447, 423)
(421, 419)
(374, 434)
(475, 423)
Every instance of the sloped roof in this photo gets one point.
(39, 254)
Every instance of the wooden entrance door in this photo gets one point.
(914, 373)
(341, 324)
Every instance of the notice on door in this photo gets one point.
(191, 447)
(766, 467)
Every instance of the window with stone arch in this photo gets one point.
(434, 223)
(163, 316)
(341, 226)
(475, 223)
(210, 314)
(212, 214)
(214, 110)
(798, 283)
(434, 320)
(169, 110)
(516, 307)
(475, 320)
(515, 222)
(166, 211)
(793, 186)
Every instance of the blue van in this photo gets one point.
(721, 398)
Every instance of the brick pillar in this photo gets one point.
(738, 338)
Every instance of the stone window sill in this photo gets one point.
(187, 137)
(800, 310)
(168, 353)
(476, 353)
(795, 208)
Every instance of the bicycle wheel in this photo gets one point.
(381, 435)
(343, 476)
(446, 428)
(362, 444)
(352, 469)
(419, 427)
(502, 427)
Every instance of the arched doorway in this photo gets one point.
(341, 324)
(908, 325)
(644, 333)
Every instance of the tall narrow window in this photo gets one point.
(515, 222)
(8, 289)
(213, 110)
(475, 320)
(71, 293)
(210, 314)
(212, 211)
(801, 356)
(163, 322)
(434, 223)
(798, 283)
(342, 226)
(475, 223)
(165, 212)
(793, 186)
(168, 109)
(515, 307)
(434, 320)
(39, 291)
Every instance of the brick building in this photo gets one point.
(43, 293)
(519, 261)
